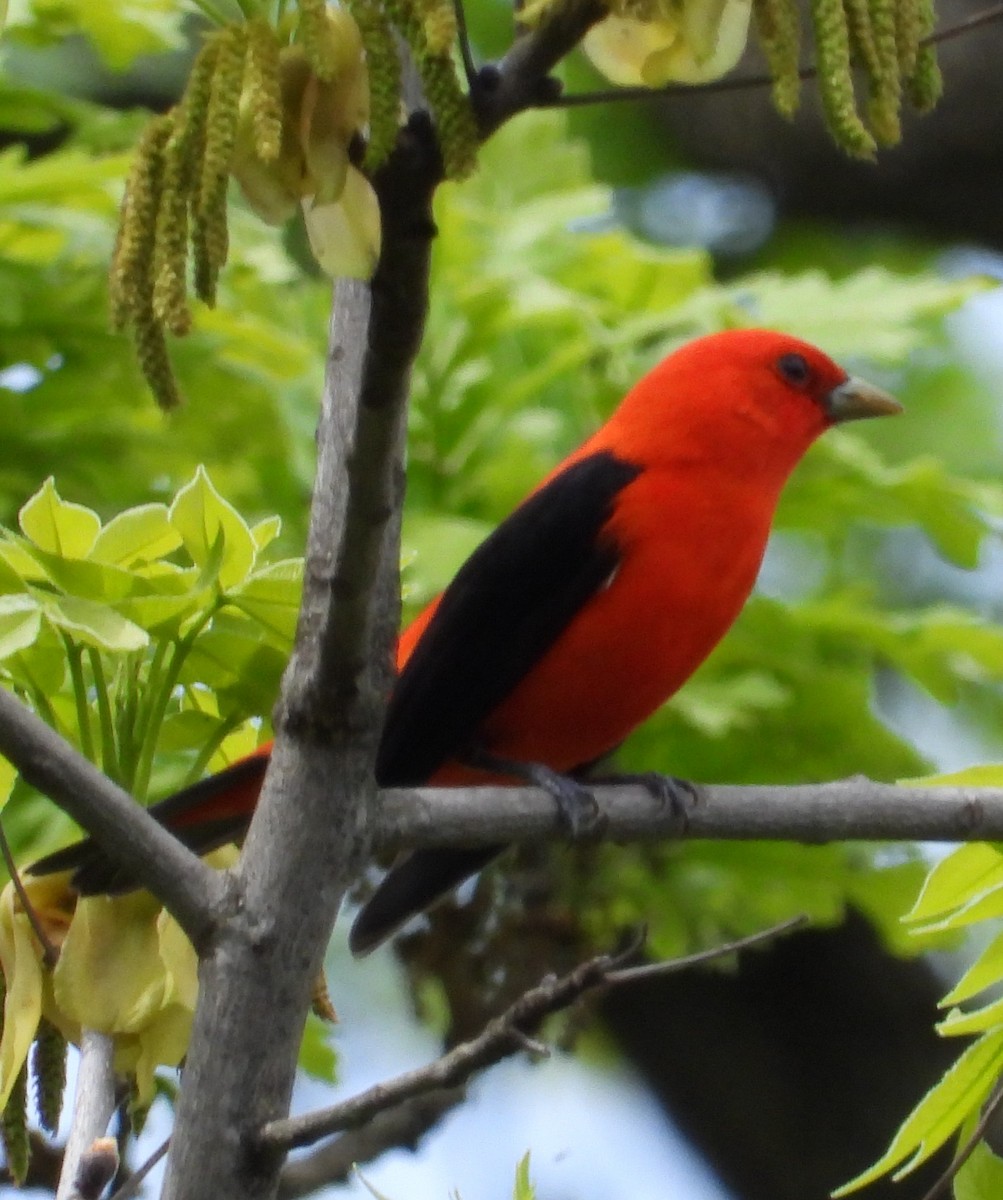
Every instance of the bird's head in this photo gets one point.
(750, 396)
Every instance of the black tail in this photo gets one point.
(204, 817)
(410, 887)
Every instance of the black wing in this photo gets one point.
(507, 605)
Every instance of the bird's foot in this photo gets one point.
(575, 803)
(678, 795)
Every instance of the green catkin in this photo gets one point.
(263, 89)
(314, 32)
(14, 1127)
(450, 108)
(885, 86)
(131, 275)
(908, 32)
(154, 362)
(170, 256)
(863, 48)
(48, 1073)
(835, 81)
(209, 233)
(183, 156)
(438, 18)
(778, 24)
(384, 70)
(925, 85)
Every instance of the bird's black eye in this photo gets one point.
(794, 369)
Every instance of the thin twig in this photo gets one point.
(499, 1039)
(671, 965)
(93, 1106)
(966, 1152)
(130, 1186)
(744, 83)
(50, 955)
(399, 1128)
(463, 35)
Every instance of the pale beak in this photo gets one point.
(856, 399)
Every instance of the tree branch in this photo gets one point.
(188, 889)
(855, 808)
(310, 834)
(520, 80)
(502, 1037)
(93, 1106)
(400, 1127)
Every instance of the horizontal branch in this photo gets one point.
(855, 808)
(187, 888)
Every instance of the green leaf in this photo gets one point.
(523, 1189)
(8, 777)
(266, 531)
(983, 775)
(959, 1023)
(317, 1055)
(140, 534)
(941, 1111)
(209, 526)
(271, 597)
(20, 622)
(981, 1177)
(968, 875)
(95, 624)
(58, 526)
(986, 971)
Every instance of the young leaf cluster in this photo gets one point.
(962, 892)
(155, 638)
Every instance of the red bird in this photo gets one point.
(585, 609)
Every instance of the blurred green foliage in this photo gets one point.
(543, 312)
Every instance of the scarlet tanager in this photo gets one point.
(585, 609)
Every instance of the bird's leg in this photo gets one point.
(575, 803)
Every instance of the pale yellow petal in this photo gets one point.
(20, 959)
(620, 46)
(711, 52)
(345, 237)
(110, 976)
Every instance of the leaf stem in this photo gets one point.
(109, 748)
(74, 657)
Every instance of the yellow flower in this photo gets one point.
(320, 118)
(125, 969)
(692, 42)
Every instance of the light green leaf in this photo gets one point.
(266, 531)
(271, 597)
(983, 775)
(524, 1189)
(317, 1055)
(210, 526)
(959, 1023)
(20, 621)
(967, 874)
(983, 973)
(58, 526)
(981, 1177)
(95, 624)
(140, 534)
(8, 777)
(941, 1111)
